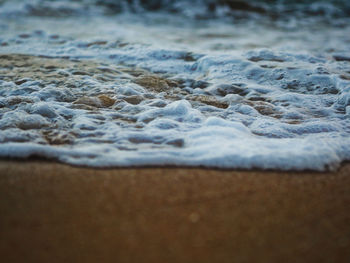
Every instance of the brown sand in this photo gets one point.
(52, 212)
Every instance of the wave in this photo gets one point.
(195, 8)
(153, 86)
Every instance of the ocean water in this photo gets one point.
(226, 84)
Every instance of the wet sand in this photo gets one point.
(53, 212)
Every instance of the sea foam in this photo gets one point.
(158, 88)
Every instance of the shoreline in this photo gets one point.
(38, 159)
(53, 212)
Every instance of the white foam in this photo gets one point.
(280, 101)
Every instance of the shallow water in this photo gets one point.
(263, 87)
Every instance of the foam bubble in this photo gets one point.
(162, 89)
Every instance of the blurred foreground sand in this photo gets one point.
(52, 212)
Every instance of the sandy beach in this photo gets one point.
(256, 88)
(53, 212)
